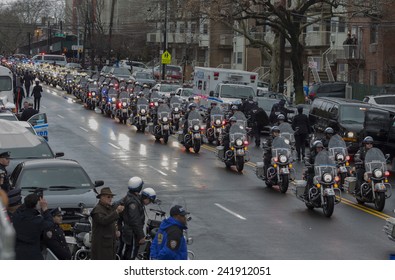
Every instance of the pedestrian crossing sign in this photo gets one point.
(166, 58)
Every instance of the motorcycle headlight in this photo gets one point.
(377, 173)
(287, 141)
(196, 127)
(93, 93)
(339, 157)
(156, 104)
(327, 178)
(176, 109)
(142, 111)
(350, 134)
(282, 158)
(239, 142)
(123, 103)
(217, 122)
(113, 99)
(165, 119)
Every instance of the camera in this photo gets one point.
(39, 193)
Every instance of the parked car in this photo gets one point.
(134, 66)
(331, 89)
(383, 101)
(143, 78)
(64, 183)
(345, 116)
(165, 89)
(184, 93)
(121, 73)
(172, 72)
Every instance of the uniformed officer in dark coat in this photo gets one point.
(4, 162)
(29, 225)
(54, 237)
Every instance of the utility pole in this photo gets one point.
(110, 31)
(164, 41)
(29, 42)
(282, 63)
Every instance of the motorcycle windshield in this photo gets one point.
(112, 92)
(324, 164)
(237, 132)
(216, 114)
(163, 111)
(240, 118)
(154, 97)
(142, 103)
(175, 102)
(124, 95)
(337, 146)
(287, 132)
(375, 159)
(194, 118)
(280, 147)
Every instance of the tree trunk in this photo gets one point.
(297, 67)
(275, 63)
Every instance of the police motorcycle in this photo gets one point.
(80, 242)
(111, 102)
(68, 83)
(92, 95)
(104, 98)
(237, 154)
(323, 192)
(162, 127)
(193, 138)
(217, 122)
(154, 104)
(338, 152)
(175, 106)
(123, 107)
(281, 168)
(389, 228)
(141, 119)
(375, 188)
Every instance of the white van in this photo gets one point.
(50, 58)
(6, 90)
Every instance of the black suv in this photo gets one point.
(332, 89)
(346, 117)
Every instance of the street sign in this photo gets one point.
(166, 58)
(77, 47)
(60, 35)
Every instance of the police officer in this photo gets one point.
(233, 110)
(267, 154)
(191, 107)
(279, 108)
(315, 149)
(302, 128)
(225, 139)
(54, 237)
(169, 243)
(248, 105)
(367, 144)
(133, 217)
(4, 162)
(328, 134)
(213, 104)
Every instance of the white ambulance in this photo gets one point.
(226, 86)
(6, 86)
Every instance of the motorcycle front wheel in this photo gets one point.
(329, 205)
(284, 183)
(166, 137)
(239, 164)
(196, 147)
(379, 201)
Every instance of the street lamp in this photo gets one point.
(78, 33)
(164, 41)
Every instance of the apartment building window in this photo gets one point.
(152, 37)
(341, 28)
(289, 3)
(205, 29)
(193, 27)
(373, 77)
(239, 59)
(374, 33)
(182, 27)
(172, 27)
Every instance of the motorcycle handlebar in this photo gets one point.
(158, 212)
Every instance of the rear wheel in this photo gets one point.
(379, 201)
(329, 205)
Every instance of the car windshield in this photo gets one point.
(235, 91)
(121, 71)
(266, 103)
(385, 100)
(142, 75)
(5, 83)
(40, 151)
(8, 117)
(187, 92)
(169, 88)
(45, 177)
(352, 114)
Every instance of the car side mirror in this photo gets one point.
(99, 183)
(211, 93)
(260, 94)
(60, 154)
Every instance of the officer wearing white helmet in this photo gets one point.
(133, 217)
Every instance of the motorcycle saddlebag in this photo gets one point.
(349, 184)
(259, 169)
(220, 151)
(180, 136)
(151, 128)
(82, 227)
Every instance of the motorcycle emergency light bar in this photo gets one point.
(387, 173)
(246, 143)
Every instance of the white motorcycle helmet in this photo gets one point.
(135, 184)
(149, 193)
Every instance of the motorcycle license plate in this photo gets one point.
(124, 110)
(66, 227)
(166, 126)
(329, 192)
(197, 136)
(240, 152)
(218, 130)
(343, 169)
(143, 118)
(284, 170)
(177, 115)
(379, 187)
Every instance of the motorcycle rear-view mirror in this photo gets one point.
(99, 183)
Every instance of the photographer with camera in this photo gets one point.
(4, 179)
(30, 224)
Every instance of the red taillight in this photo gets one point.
(119, 104)
(252, 78)
(216, 75)
(116, 85)
(151, 104)
(387, 173)
(89, 94)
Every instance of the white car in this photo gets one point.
(184, 93)
(385, 101)
(165, 89)
(135, 66)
